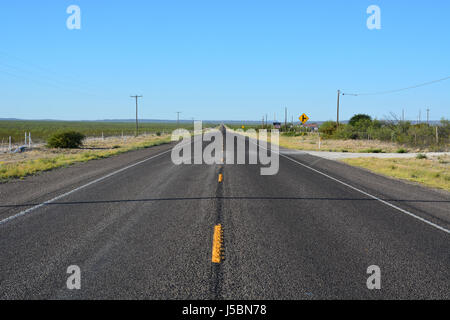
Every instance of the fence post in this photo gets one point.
(437, 135)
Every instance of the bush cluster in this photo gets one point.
(68, 139)
(362, 126)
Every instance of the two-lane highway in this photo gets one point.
(148, 232)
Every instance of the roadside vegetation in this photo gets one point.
(366, 135)
(304, 140)
(43, 158)
(66, 140)
(430, 171)
(420, 136)
(41, 131)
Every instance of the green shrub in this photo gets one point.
(373, 151)
(328, 128)
(293, 134)
(401, 150)
(346, 132)
(68, 139)
(360, 120)
(421, 156)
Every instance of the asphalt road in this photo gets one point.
(140, 227)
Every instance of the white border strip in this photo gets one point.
(365, 193)
(22, 213)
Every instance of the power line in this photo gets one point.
(47, 77)
(43, 72)
(396, 90)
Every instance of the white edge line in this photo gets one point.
(24, 212)
(365, 193)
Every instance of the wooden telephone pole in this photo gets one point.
(137, 126)
(178, 118)
(337, 117)
(285, 119)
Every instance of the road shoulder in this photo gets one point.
(20, 194)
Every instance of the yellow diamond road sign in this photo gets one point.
(303, 118)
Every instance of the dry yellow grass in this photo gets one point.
(310, 142)
(433, 171)
(19, 165)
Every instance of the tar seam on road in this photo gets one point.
(24, 212)
(216, 267)
(365, 193)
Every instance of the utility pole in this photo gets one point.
(337, 117)
(137, 127)
(285, 119)
(266, 119)
(420, 115)
(428, 116)
(178, 118)
(403, 115)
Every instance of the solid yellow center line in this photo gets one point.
(217, 244)
(220, 177)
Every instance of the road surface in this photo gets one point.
(140, 227)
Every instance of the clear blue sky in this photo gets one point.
(222, 59)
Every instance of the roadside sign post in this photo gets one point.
(319, 140)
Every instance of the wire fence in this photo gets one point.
(434, 137)
(11, 144)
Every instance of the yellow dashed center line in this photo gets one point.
(220, 177)
(217, 244)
